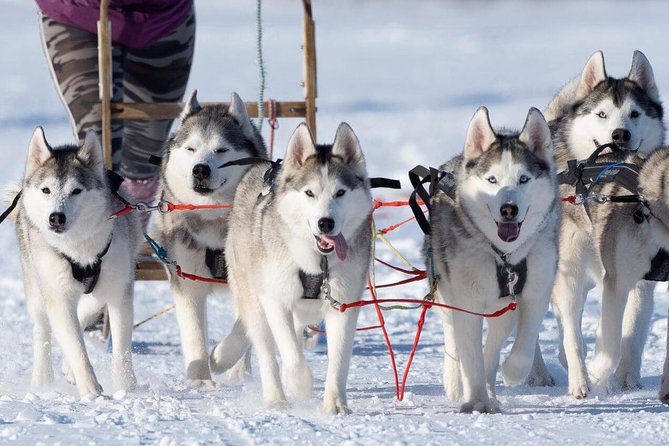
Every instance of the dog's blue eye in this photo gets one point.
(491, 180)
(309, 193)
(340, 192)
(524, 179)
(602, 115)
(46, 190)
(190, 149)
(635, 114)
(76, 191)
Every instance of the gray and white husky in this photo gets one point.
(69, 248)
(591, 110)
(494, 237)
(626, 239)
(207, 137)
(299, 240)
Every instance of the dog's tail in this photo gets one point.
(230, 350)
(10, 194)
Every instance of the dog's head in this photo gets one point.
(323, 191)
(207, 138)
(65, 188)
(508, 179)
(625, 111)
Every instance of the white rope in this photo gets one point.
(261, 65)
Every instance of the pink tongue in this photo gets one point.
(508, 232)
(340, 245)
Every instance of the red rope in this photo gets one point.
(414, 272)
(192, 207)
(569, 199)
(363, 303)
(197, 278)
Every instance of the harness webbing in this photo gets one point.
(88, 275)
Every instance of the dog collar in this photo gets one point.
(312, 283)
(88, 275)
(215, 261)
(510, 278)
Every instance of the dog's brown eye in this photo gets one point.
(190, 149)
(309, 193)
(46, 190)
(340, 192)
(76, 191)
(635, 114)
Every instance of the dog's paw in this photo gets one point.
(578, 387)
(42, 377)
(515, 370)
(485, 406)
(626, 380)
(90, 388)
(201, 384)
(299, 381)
(334, 406)
(540, 379)
(664, 390)
(237, 375)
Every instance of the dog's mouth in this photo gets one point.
(326, 244)
(508, 231)
(205, 189)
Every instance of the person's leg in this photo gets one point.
(72, 57)
(158, 73)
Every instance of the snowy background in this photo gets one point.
(407, 76)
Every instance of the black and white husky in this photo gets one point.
(592, 110)
(299, 240)
(208, 137)
(69, 248)
(494, 238)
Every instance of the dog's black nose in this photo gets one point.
(509, 211)
(621, 136)
(326, 225)
(57, 220)
(201, 172)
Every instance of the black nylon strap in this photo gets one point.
(88, 275)
(11, 207)
(418, 176)
(387, 183)
(215, 261)
(247, 161)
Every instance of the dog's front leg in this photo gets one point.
(609, 332)
(340, 331)
(664, 383)
(638, 312)
(42, 367)
(62, 312)
(452, 371)
(297, 377)
(191, 309)
(469, 341)
(120, 322)
(499, 329)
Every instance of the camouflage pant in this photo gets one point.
(158, 73)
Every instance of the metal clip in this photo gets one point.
(163, 206)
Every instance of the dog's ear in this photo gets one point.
(593, 73)
(480, 134)
(191, 106)
(90, 152)
(238, 111)
(642, 73)
(38, 152)
(347, 145)
(300, 147)
(537, 135)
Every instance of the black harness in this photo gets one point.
(585, 175)
(215, 261)
(510, 278)
(88, 275)
(312, 283)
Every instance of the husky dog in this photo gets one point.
(208, 137)
(591, 110)
(499, 222)
(69, 248)
(299, 240)
(627, 237)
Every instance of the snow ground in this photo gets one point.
(407, 76)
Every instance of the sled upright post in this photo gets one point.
(149, 268)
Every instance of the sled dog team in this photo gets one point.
(298, 237)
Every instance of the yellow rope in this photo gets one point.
(158, 314)
(390, 246)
